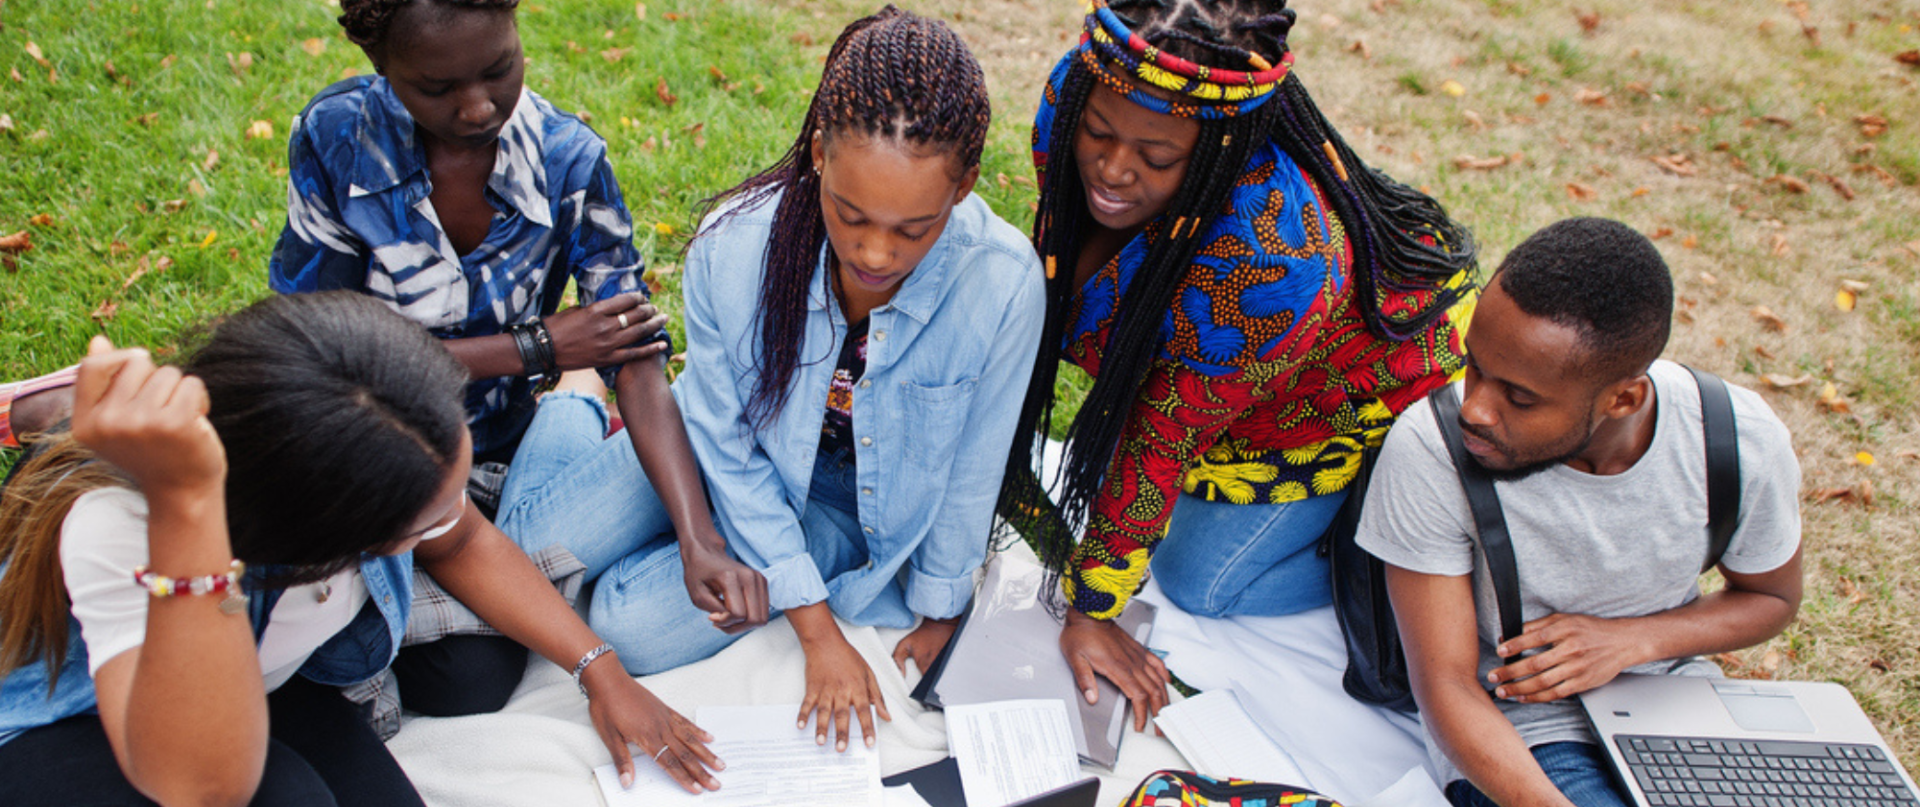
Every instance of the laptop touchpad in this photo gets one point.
(1757, 708)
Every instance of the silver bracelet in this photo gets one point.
(581, 668)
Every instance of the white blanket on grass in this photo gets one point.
(541, 749)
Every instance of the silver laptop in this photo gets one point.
(1679, 741)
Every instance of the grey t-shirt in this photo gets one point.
(1625, 545)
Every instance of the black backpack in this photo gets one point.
(1376, 663)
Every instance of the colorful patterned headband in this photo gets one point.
(1115, 54)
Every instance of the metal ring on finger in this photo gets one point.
(656, 754)
(622, 318)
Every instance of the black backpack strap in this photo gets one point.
(1491, 522)
(1723, 463)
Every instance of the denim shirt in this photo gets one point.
(948, 361)
(358, 652)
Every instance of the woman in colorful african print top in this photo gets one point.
(1254, 303)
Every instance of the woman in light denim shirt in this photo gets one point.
(858, 477)
(321, 440)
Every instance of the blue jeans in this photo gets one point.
(1222, 559)
(641, 605)
(571, 485)
(1579, 769)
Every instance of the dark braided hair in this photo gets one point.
(892, 75)
(367, 21)
(1403, 244)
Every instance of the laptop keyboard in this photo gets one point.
(1690, 771)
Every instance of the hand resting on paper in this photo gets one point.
(1100, 647)
(839, 682)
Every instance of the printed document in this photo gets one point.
(1011, 750)
(770, 763)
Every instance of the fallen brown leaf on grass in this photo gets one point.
(1542, 99)
(1763, 352)
(1788, 182)
(33, 50)
(1831, 400)
(1838, 185)
(1871, 126)
(1909, 58)
(7, 262)
(1777, 120)
(143, 267)
(1845, 299)
(1778, 381)
(6, 122)
(240, 63)
(1862, 494)
(1582, 192)
(169, 61)
(105, 311)
(1592, 97)
(41, 220)
(1467, 162)
(213, 159)
(1855, 286)
(17, 243)
(1589, 20)
(1690, 242)
(1768, 319)
(260, 130)
(1780, 247)
(314, 46)
(666, 96)
(1885, 178)
(1852, 592)
(803, 39)
(147, 119)
(672, 16)
(1709, 279)
(615, 54)
(1360, 46)
(1659, 233)
(1679, 165)
(14, 73)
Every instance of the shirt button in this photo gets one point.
(880, 336)
(866, 441)
(866, 382)
(866, 491)
(869, 530)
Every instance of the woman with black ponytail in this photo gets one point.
(1255, 304)
(858, 327)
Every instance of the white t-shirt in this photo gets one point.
(1625, 545)
(105, 536)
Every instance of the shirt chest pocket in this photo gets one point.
(932, 418)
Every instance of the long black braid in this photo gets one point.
(1403, 243)
(367, 21)
(891, 75)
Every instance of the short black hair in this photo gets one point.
(1603, 279)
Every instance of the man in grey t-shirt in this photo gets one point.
(1599, 461)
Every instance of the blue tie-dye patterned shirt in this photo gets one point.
(359, 218)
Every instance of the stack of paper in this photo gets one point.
(1009, 751)
(770, 763)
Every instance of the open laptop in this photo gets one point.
(1679, 741)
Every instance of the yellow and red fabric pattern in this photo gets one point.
(1118, 56)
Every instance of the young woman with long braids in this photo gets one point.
(857, 322)
(188, 574)
(1256, 306)
(446, 189)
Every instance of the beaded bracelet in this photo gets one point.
(160, 585)
(581, 668)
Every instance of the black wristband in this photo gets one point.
(528, 347)
(543, 345)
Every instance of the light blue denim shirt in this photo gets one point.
(947, 366)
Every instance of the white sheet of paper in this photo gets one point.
(1012, 750)
(770, 763)
(1217, 736)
